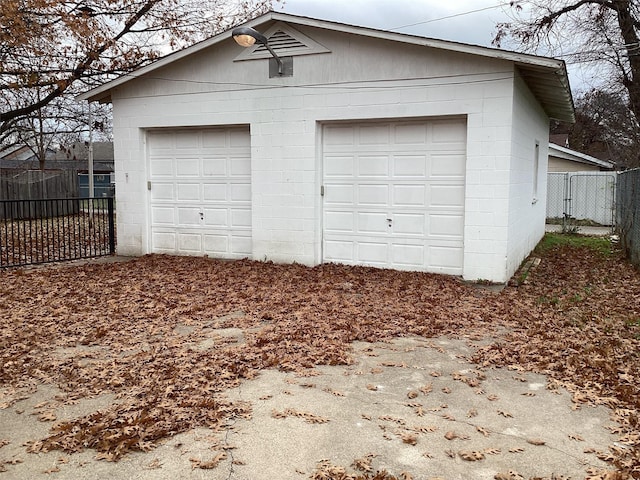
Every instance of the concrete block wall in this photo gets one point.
(527, 210)
(285, 116)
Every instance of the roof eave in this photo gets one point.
(552, 72)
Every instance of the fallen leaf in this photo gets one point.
(471, 456)
(536, 441)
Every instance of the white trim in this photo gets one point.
(547, 75)
(573, 155)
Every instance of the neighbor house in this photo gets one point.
(370, 148)
(563, 159)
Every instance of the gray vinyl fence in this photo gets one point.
(628, 213)
(581, 198)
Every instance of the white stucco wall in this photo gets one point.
(359, 80)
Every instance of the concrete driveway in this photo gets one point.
(416, 408)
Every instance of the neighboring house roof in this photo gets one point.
(546, 77)
(102, 152)
(568, 154)
(72, 158)
(22, 157)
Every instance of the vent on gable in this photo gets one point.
(286, 41)
(282, 42)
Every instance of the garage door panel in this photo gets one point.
(241, 218)
(215, 138)
(448, 165)
(446, 258)
(446, 196)
(373, 135)
(216, 217)
(188, 167)
(240, 192)
(339, 221)
(449, 131)
(410, 133)
(162, 167)
(163, 192)
(215, 192)
(239, 138)
(163, 141)
(240, 245)
(409, 224)
(339, 251)
(216, 244)
(340, 195)
(373, 195)
(339, 166)
(163, 215)
(373, 253)
(446, 225)
(409, 195)
(339, 135)
(188, 192)
(408, 255)
(164, 242)
(200, 198)
(414, 166)
(214, 167)
(240, 167)
(372, 222)
(190, 242)
(188, 216)
(187, 140)
(412, 173)
(373, 166)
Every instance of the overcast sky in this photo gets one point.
(466, 21)
(470, 21)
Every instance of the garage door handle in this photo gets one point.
(389, 221)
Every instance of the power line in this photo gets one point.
(455, 15)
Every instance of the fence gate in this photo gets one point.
(581, 199)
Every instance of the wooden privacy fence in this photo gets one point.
(38, 184)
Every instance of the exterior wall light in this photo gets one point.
(247, 37)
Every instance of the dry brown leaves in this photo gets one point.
(135, 329)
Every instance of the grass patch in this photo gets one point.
(550, 241)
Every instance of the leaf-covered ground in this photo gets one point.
(137, 330)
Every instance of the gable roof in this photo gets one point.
(574, 156)
(546, 77)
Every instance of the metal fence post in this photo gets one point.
(112, 229)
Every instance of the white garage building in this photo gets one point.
(374, 148)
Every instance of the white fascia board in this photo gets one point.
(101, 91)
(516, 57)
(552, 64)
(568, 154)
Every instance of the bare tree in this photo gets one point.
(605, 33)
(50, 49)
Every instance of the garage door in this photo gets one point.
(394, 194)
(200, 199)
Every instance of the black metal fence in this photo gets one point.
(53, 230)
(628, 213)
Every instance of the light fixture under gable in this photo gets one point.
(248, 37)
(286, 41)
